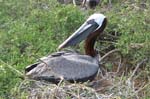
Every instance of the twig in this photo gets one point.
(138, 65)
(118, 69)
(110, 52)
(100, 89)
(113, 36)
(12, 69)
(111, 42)
(61, 80)
(37, 57)
(143, 87)
(20, 85)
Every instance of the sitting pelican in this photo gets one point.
(72, 66)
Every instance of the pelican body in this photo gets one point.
(70, 65)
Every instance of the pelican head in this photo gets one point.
(89, 30)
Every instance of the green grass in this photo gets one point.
(33, 28)
(29, 30)
(130, 20)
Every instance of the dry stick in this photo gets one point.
(110, 52)
(138, 65)
(118, 69)
(37, 57)
(100, 89)
(103, 41)
(107, 54)
(20, 85)
(120, 82)
(78, 92)
(113, 36)
(44, 83)
(143, 87)
(136, 92)
(100, 72)
(110, 96)
(92, 90)
(13, 69)
(70, 93)
(61, 80)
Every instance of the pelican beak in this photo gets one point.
(82, 33)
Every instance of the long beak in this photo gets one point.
(86, 29)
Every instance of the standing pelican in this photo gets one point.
(70, 65)
(90, 3)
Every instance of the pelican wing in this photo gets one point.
(69, 66)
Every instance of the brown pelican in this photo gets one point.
(70, 65)
(91, 3)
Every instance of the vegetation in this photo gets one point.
(30, 29)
